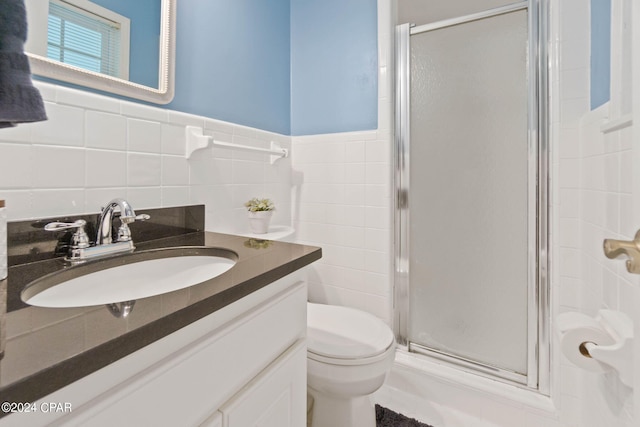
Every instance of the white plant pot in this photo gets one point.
(259, 221)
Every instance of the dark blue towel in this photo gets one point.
(20, 101)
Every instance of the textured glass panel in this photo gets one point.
(468, 191)
(421, 12)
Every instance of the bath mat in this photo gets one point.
(387, 418)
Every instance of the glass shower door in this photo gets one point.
(469, 203)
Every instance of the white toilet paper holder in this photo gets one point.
(619, 355)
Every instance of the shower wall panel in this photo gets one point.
(468, 192)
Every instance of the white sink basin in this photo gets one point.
(128, 277)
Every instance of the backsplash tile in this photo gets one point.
(28, 242)
(143, 170)
(143, 136)
(17, 134)
(94, 148)
(105, 169)
(175, 171)
(144, 197)
(15, 165)
(65, 126)
(54, 202)
(172, 140)
(105, 130)
(57, 167)
(174, 196)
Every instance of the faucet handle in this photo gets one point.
(130, 219)
(80, 239)
(124, 233)
(57, 226)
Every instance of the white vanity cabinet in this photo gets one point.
(275, 398)
(243, 365)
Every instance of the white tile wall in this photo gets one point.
(94, 148)
(341, 191)
(143, 135)
(594, 201)
(105, 130)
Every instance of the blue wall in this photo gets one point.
(334, 66)
(289, 66)
(232, 62)
(600, 52)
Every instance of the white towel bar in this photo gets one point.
(196, 140)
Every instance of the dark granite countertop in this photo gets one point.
(49, 348)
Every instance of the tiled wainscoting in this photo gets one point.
(94, 148)
(341, 200)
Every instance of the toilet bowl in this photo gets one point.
(349, 354)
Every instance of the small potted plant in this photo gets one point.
(260, 211)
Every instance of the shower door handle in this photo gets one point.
(402, 199)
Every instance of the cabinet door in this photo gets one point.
(276, 397)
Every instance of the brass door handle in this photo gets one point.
(629, 248)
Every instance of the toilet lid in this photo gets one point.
(345, 333)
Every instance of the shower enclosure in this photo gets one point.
(471, 183)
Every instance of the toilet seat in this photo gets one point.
(346, 336)
(350, 362)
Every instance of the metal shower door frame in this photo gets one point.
(538, 339)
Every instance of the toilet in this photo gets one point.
(349, 354)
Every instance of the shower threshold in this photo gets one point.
(467, 365)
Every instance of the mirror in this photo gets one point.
(119, 46)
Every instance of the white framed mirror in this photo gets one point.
(99, 44)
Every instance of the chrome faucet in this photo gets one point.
(105, 223)
(81, 249)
